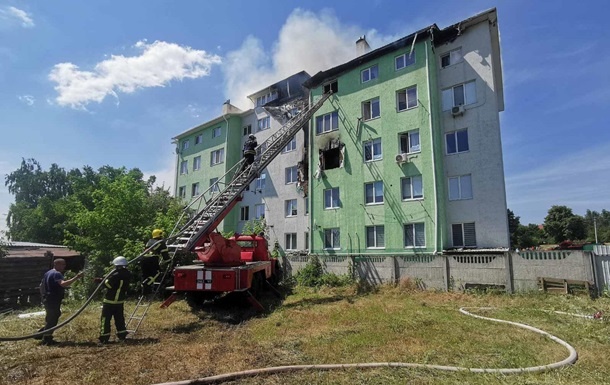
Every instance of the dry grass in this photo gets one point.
(323, 326)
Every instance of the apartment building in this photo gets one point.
(406, 157)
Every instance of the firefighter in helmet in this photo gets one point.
(249, 151)
(116, 285)
(150, 262)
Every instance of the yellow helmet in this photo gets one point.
(157, 233)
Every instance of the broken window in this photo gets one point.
(333, 86)
(370, 109)
(330, 156)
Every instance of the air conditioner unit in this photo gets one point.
(402, 158)
(457, 111)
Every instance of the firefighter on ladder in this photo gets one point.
(113, 307)
(150, 262)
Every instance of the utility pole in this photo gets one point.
(595, 228)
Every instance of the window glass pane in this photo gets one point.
(374, 72)
(400, 62)
(471, 93)
(445, 60)
(456, 56)
(409, 236)
(378, 192)
(447, 99)
(456, 231)
(412, 97)
(377, 149)
(335, 120)
(365, 75)
(450, 140)
(418, 188)
(368, 153)
(319, 123)
(462, 140)
(454, 189)
(414, 139)
(458, 95)
(368, 192)
(466, 187)
(404, 143)
(406, 188)
(375, 108)
(336, 238)
(370, 237)
(380, 237)
(420, 235)
(410, 58)
(469, 235)
(402, 100)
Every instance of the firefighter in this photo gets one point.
(150, 262)
(116, 285)
(249, 151)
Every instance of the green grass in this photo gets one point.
(325, 326)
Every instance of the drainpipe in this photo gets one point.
(177, 168)
(436, 216)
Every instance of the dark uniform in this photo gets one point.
(53, 295)
(249, 151)
(150, 264)
(117, 284)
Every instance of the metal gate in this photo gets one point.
(601, 254)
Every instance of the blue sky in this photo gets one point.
(110, 83)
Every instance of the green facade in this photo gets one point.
(229, 140)
(354, 215)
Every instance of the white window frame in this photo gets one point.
(264, 99)
(263, 124)
(378, 233)
(198, 139)
(259, 211)
(455, 56)
(370, 73)
(453, 137)
(369, 147)
(332, 198)
(182, 192)
(413, 181)
(460, 187)
(409, 139)
(290, 208)
(214, 185)
(185, 144)
(376, 185)
(291, 146)
(412, 229)
(197, 163)
(247, 130)
(327, 122)
(215, 132)
(460, 229)
(334, 236)
(307, 240)
(408, 60)
(409, 103)
(217, 157)
(291, 174)
(290, 241)
(469, 94)
(195, 189)
(184, 167)
(244, 213)
(368, 109)
(260, 182)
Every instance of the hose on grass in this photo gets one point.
(570, 359)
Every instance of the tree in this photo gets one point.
(561, 224)
(513, 227)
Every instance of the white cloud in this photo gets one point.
(307, 41)
(16, 14)
(27, 99)
(158, 64)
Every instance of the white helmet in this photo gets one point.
(119, 261)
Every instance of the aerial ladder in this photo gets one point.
(217, 254)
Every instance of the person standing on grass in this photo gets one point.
(114, 300)
(53, 288)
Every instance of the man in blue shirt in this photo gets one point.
(53, 288)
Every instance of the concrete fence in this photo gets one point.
(512, 271)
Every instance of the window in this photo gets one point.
(216, 132)
(290, 241)
(306, 240)
(331, 198)
(409, 142)
(407, 98)
(457, 141)
(451, 57)
(290, 207)
(370, 109)
(332, 86)
(415, 235)
(291, 174)
(195, 189)
(199, 139)
(247, 129)
(182, 192)
(375, 237)
(464, 235)
(259, 183)
(214, 185)
(332, 238)
(460, 95)
(373, 192)
(184, 167)
(404, 60)
(306, 205)
(244, 213)
(218, 156)
(196, 163)
(185, 144)
(264, 124)
(259, 211)
(369, 74)
(328, 122)
(460, 187)
(372, 150)
(262, 100)
(412, 188)
(291, 146)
